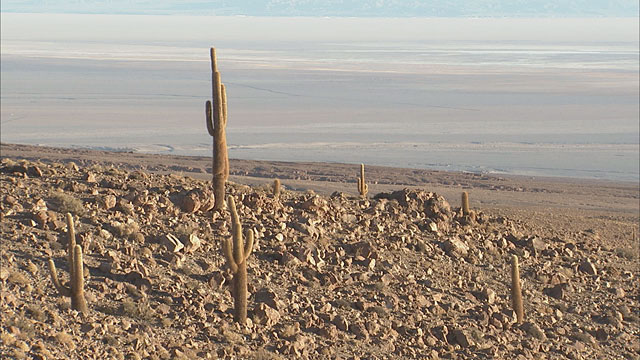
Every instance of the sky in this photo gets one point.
(337, 8)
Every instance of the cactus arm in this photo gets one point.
(223, 90)
(232, 209)
(78, 301)
(208, 117)
(228, 254)
(71, 232)
(64, 291)
(248, 246)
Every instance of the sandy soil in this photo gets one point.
(404, 274)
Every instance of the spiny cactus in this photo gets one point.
(76, 271)
(516, 291)
(216, 119)
(465, 203)
(236, 254)
(363, 188)
(276, 188)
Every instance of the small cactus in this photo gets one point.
(216, 119)
(276, 188)
(363, 188)
(516, 290)
(465, 203)
(76, 271)
(236, 254)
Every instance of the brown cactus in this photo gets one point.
(276, 188)
(76, 271)
(516, 291)
(216, 119)
(465, 203)
(363, 188)
(236, 254)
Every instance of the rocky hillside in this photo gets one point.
(403, 274)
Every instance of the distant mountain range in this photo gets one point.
(337, 8)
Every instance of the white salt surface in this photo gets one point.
(553, 97)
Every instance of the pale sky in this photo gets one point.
(349, 8)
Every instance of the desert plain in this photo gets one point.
(400, 274)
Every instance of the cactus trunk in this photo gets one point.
(76, 271)
(236, 254)
(465, 203)
(240, 294)
(216, 119)
(78, 301)
(363, 188)
(276, 188)
(516, 291)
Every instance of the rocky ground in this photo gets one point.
(402, 274)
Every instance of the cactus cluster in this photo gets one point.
(236, 252)
(216, 119)
(363, 188)
(76, 271)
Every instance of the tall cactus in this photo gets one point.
(216, 119)
(363, 188)
(516, 290)
(76, 271)
(236, 254)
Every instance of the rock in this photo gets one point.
(172, 243)
(268, 297)
(341, 323)
(90, 178)
(34, 171)
(364, 249)
(217, 280)
(488, 295)
(536, 244)
(455, 247)
(620, 293)
(193, 243)
(10, 200)
(137, 279)
(534, 331)
(587, 267)
(461, 337)
(41, 217)
(4, 273)
(125, 206)
(314, 203)
(360, 331)
(329, 331)
(266, 315)
(303, 345)
(190, 202)
(557, 291)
